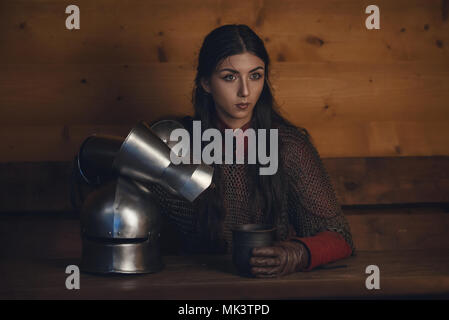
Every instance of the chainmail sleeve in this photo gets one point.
(312, 203)
(181, 214)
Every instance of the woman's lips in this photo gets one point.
(242, 105)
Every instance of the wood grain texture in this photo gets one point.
(401, 112)
(59, 94)
(361, 93)
(156, 31)
(35, 143)
(403, 273)
(45, 186)
(57, 234)
(390, 180)
(400, 228)
(335, 140)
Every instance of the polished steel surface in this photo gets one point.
(146, 158)
(187, 179)
(120, 221)
(96, 156)
(120, 228)
(143, 156)
(140, 257)
(119, 209)
(163, 130)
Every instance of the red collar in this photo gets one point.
(222, 126)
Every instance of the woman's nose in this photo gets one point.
(243, 90)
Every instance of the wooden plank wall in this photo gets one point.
(45, 186)
(361, 93)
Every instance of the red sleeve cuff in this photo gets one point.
(325, 247)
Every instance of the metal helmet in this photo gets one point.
(120, 221)
(120, 227)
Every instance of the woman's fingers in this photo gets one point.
(264, 262)
(267, 275)
(268, 262)
(266, 251)
(265, 272)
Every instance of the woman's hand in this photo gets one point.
(282, 258)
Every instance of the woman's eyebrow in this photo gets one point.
(235, 71)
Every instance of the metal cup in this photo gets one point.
(245, 237)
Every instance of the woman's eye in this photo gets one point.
(227, 77)
(254, 76)
(258, 76)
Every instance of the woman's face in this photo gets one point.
(237, 79)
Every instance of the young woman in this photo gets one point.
(232, 90)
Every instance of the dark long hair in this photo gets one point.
(268, 190)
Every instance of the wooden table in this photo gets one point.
(402, 273)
